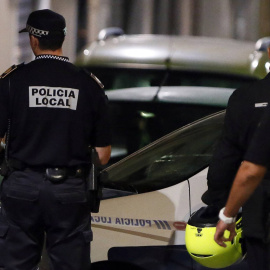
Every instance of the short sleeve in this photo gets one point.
(4, 101)
(102, 127)
(258, 151)
(226, 158)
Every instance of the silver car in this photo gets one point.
(123, 61)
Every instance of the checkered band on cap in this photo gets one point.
(36, 32)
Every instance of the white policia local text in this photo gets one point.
(53, 97)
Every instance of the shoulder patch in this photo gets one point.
(97, 81)
(10, 70)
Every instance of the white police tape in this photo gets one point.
(144, 223)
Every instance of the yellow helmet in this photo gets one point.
(201, 245)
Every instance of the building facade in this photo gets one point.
(237, 19)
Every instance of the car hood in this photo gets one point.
(215, 96)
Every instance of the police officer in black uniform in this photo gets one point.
(50, 113)
(245, 109)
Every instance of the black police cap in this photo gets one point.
(45, 23)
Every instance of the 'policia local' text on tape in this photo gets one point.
(145, 223)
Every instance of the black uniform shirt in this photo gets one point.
(245, 109)
(56, 110)
(259, 149)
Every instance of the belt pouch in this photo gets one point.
(56, 174)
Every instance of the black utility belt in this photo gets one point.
(61, 173)
(55, 174)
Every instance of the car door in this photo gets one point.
(149, 196)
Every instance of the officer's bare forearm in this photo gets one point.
(247, 179)
(104, 154)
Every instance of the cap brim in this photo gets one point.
(23, 30)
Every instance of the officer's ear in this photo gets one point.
(34, 42)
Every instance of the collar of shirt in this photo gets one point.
(53, 57)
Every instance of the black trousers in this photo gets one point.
(3, 233)
(258, 254)
(37, 209)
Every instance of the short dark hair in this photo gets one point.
(52, 44)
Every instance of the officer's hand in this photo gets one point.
(220, 229)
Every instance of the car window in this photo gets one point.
(169, 160)
(136, 124)
(195, 78)
(117, 78)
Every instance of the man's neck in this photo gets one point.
(58, 52)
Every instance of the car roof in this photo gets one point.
(214, 96)
(173, 52)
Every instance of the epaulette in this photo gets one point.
(97, 80)
(10, 70)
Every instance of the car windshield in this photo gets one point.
(136, 124)
(117, 78)
(169, 160)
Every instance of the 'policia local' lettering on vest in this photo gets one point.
(53, 97)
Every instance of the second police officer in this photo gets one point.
(50, 113)
(246, 107)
